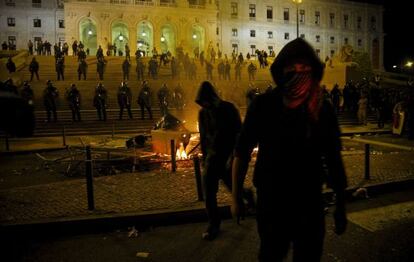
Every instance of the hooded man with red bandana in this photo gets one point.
(298, 137)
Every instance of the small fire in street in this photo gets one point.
(181, 154)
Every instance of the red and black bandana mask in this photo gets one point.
(299, 87)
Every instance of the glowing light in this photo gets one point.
(194, 36)
(143, 34)
(394, 66)
(90, 32)
(162, 38)
(121, 37)
(139, 44)
(409, 64)
(181, 154)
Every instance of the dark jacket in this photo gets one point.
(219, 124)
(296, 153)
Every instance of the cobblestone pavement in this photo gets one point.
(162, 190)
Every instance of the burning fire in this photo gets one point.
(181, 154)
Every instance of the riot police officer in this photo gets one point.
(27, 93)
(125, 69)
(82, 68)
(144, 100)
(163, 98)
(99, 101)
(60, 67)
(124, 99)
(100, 67)
(50, 94)
(74, 99)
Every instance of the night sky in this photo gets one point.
(399, 31)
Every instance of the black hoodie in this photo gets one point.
(219, 123)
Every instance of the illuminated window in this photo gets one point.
(61, 23)
(302, 16)
(373, 23)
(11, 21)
(235, 48)
(269, 13)
(332, 40)
(359, 22)
(252, 11)
(234, 32)
(270, 48)
(286, 14)
(269, 34)
(331, 19)
(318, 38)
(286, 36)
(12, 42)
(37, 22)
(346, 19)
(234, 9)
(252, 33)
(253, 47)
(37, 3)
(10, 2)
(317, 18)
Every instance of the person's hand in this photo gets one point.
(340, 220)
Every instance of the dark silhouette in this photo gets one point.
(124, 99)
(144, 100)
(99, 101)
(299, 149)
(74, 99)
(219, 124)
(34, 69)
(11, 66)
(50, 94)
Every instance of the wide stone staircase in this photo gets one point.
(230, 90)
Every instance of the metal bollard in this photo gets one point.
(173, 161)
(89, 178)
(7, 143)
(113, 129)
(197, 172)
(64, 135)
(367, 152)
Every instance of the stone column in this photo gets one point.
(132, 40)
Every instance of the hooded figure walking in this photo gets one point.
(297, 133)
(219, 125)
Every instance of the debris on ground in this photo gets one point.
(143, 254)
(133, 232)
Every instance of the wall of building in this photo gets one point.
(24, 12)
(179, 17)
(216, 20)
(278, 26)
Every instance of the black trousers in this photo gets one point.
(280, 223)
(34, 73)
(121, 111)
(101, 111)
(143, 107)
(76, 116)
(50, 112)
(215, 170)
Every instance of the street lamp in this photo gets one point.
(297, 2)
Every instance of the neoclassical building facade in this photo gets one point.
(230, 25)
